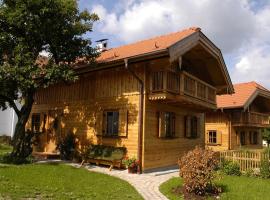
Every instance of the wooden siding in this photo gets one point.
(236, 134)
(80, 103)
(162, 151)
(218, 122)
(80, 106)
(230, 135)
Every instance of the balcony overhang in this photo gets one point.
(181, 88)
(215, 62)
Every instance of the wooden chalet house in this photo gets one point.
(240, 118)
(149, 96)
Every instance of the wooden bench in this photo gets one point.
(106, 155)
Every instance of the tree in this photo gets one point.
(27, 28)
(266, 135)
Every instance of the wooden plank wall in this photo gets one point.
(81, 101)
(161, 152)
(236, 138)
(219, 122)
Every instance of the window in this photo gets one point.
(212, 137)
(169, 124)
(35, 123)
(242, 138)
(166, 124)
(192, 126)
(253, 137)
(112, 123)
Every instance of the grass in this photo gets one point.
(4, 149)
(235, 187)
(59, 181)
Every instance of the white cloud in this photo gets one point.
(253, 65)
(229, 23)
(238, 29)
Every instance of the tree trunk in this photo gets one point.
(22, 140)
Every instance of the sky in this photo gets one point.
(240, 28)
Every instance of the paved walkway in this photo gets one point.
(146, 184)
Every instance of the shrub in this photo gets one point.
(67, 146)
(197, 170)
(9, 159)
(4, 139)
(265, 169)
(230, 168)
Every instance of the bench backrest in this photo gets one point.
(107, 152)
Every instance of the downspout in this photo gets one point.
(140, 130)
(230, 132)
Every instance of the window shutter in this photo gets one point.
(188, 126)
(42, 122)
(199, 127)
(99, 122)
(123, 123)
(173, 124)
(207, 137)
(219, 137)
(161, 132)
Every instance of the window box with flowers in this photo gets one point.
(132, 164)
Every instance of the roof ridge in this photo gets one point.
(195, 29)
(254, 83)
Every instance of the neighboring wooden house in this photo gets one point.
(240, 118)
(149, 97)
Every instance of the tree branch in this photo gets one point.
(11, 103)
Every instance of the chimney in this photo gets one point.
(102, 45)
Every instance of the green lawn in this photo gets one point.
(59, 181)
(4, 149)
(235, 188)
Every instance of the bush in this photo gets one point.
(230, 168)
(67, 146)
(9, 159)
(197, 170)
(265, 169)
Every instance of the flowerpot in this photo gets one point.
(132, 170)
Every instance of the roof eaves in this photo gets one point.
(219, 54)
(119, 62)
(229, 107)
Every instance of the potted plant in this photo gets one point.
(132, 164)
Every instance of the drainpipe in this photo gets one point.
(230, 132)
(140, 131)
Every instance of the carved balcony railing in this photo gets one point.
(250, 118)
(182, 84)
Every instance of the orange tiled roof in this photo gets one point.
(243, 91)
(145, 46)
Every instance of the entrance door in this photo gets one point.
(243, 138)
(53, 132)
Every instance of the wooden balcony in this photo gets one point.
(180, 86)
(250, 119)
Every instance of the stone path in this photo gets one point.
(146, 184)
